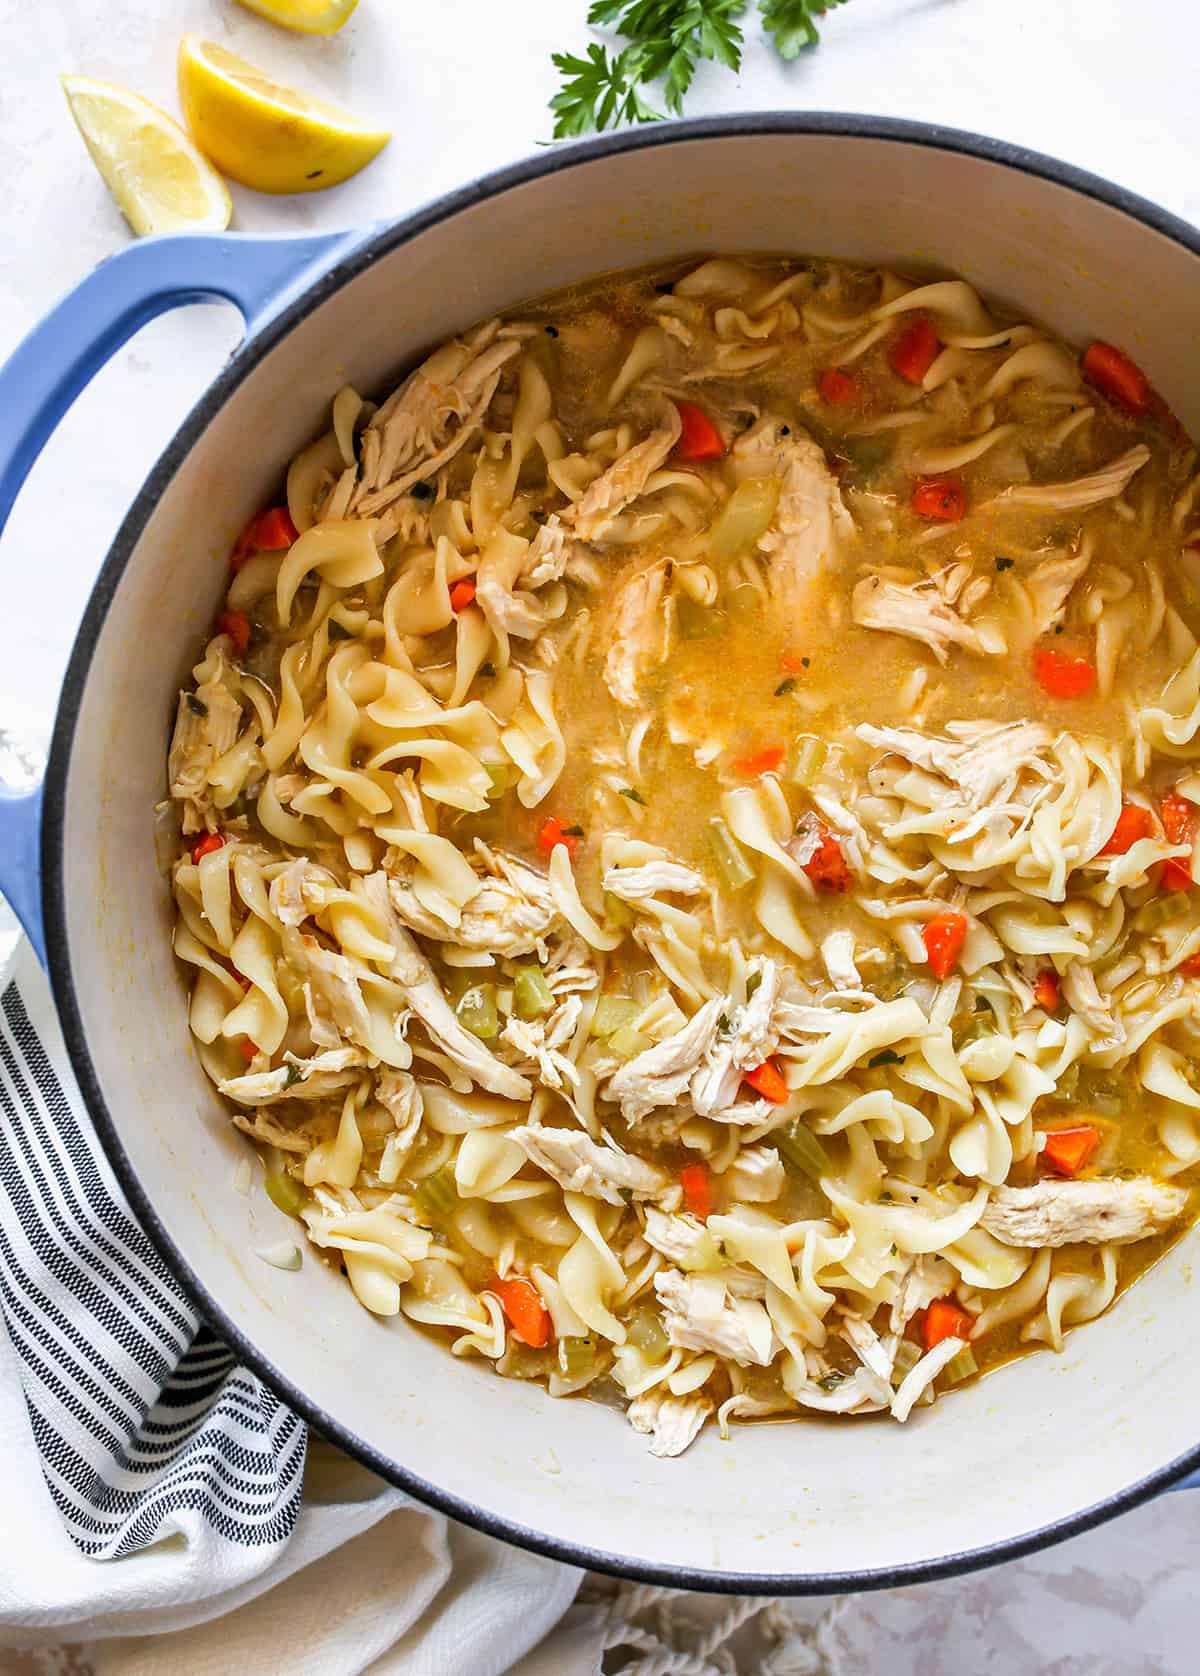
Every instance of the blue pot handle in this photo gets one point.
(48, 370)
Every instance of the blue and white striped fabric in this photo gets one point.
(140, 1415)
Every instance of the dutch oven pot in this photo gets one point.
(1039, 1449)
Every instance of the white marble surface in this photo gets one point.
(463, 83)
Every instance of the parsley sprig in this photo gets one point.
(663, 42)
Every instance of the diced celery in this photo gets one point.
(477, 1011)
(627, 1042)
(613, 1013)
(1103, 1098)
(458, 980)
(744, 603)
(732, 865)
(962, 1367)
(616, 912)
(801, 1150)
(1155, 913)
(744, 518)
(906, 1358)
(503, 778)
(437, 1194)
(576, 1357)
(696, 621)
(647, 1332)
(532, 996)
(808, 761)
(283, 1190)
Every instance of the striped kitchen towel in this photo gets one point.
(144, 1422)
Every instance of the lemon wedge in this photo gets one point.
(160, 181)
(309, 17)
(260, 133)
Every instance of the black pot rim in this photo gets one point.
(53, 836)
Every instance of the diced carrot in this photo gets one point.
(836, 387)
(1191, 966)
(697, 1189)
(944, 936)
(1062, 676)
(939, 500)
(793, 663)
(551, 833)
(1177, 813)
(462, 594)
(758, 763)
(1133, 824)
(205, 845)
(236, 625)
(1047, 991)
(1117, 377)
(266, 533)
(250, 1050)
(528, 1316)
(827, 866)
(699, 438)
(1068, 1150)
(945, 1320)
(768, 1080)
(915, 350)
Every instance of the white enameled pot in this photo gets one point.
(1039, 1449)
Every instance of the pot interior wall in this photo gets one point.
(818, 1498)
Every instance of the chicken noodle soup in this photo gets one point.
(687, 828)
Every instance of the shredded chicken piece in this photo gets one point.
(331, 988)
(509, 609)
(752, 1036)
(510, 915)
(399, 1093)
(698, 1314)
(659, 1075)
(581, 1165)
(863, 1392)
(639, 632)
(413, 973)
(810, 519)
(624, 480)
(681, 1238)
(433, 414)
(1106, 484)
(206, 725)
(634, 884)
(756, 1176)
(550, 552)
(540, 1041)
(1049, 587)
(296, 1079)
(1083, 997)
(1083, 1212)
(922, 1375)
(925, 1279)
(983, 760)
(837, 952)
(672, 1423)
(916, 609)
(874, 1353)
(300, 891)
